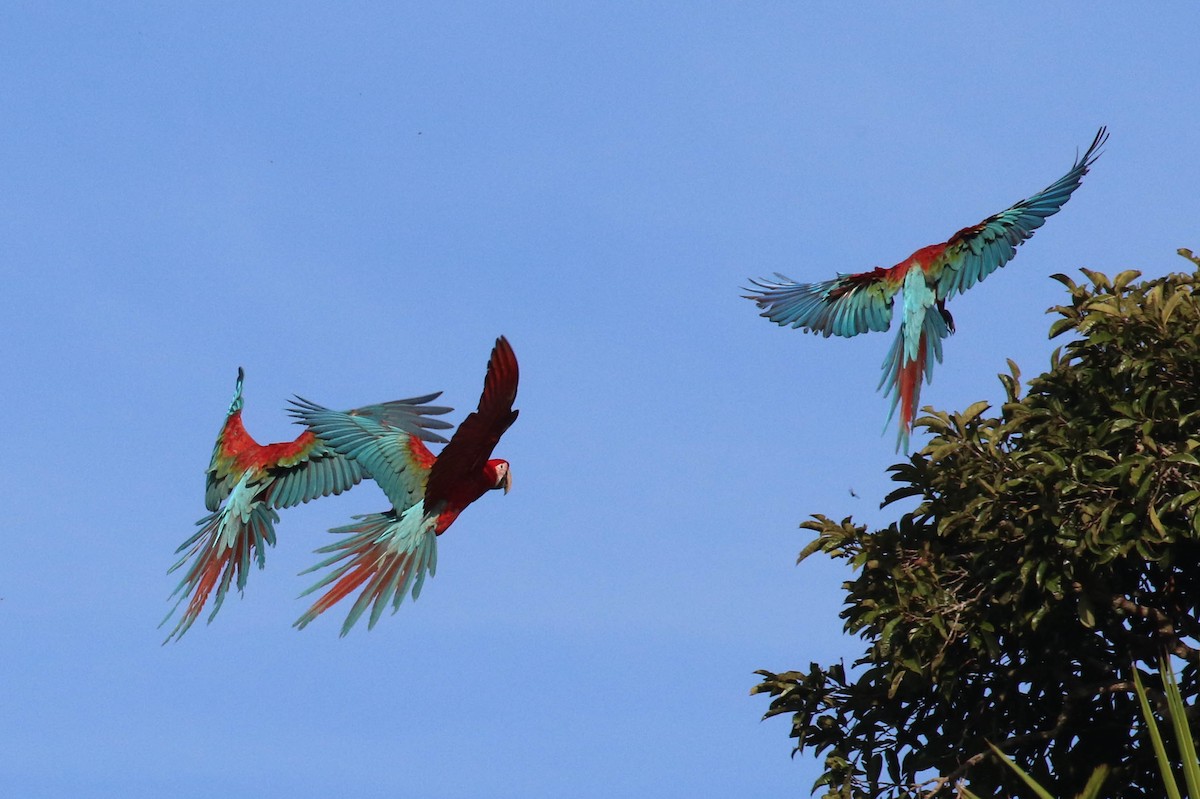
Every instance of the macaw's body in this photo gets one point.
(858, 303)
(388, 554)
(254, 480)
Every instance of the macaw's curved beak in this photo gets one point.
(506, 484)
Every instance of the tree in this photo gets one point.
(1054, 549)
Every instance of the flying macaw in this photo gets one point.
(857, 303)
(388, 554)
(254, 480)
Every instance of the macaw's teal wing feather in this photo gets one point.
(385, 554)
(975, 252)
(222, 550)
(396, 460)
(318, 469)
(410, 416)
(845, 306)
(917, 346)
(318, 472)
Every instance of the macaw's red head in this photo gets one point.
(498, 474)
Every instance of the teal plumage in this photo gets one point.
(387, 555)
(851, 304)
(391, 551)
(248, 482)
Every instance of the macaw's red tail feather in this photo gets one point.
(905, 367)
(220, 551)
(346, 585)
(386, 555)
(910, 387)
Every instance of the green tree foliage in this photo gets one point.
(1052, 546)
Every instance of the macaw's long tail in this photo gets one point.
(386, 555)
(220, 551)
(909, 360)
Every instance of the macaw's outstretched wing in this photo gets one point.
(410, 415)
(223, 473)
(462, 460)
(396, 460)
(975, 252)
(325, 469)
(845, 306)
(312, 472)
(294, 472)
(386, 554)
(918, 344)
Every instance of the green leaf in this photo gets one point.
(1160, 751)
(1155, 522)
(1095, 783)
(1123, 279)
(1183, 734)
(1061, 326)
(1087, 614)
(1037, 789)
(973, 412)
(1169, 309)
(812, 547)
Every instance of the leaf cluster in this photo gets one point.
(1052, 545)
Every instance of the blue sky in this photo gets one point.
(352, 201)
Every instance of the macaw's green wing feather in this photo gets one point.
(385, 554)
(910, 360)
(221, 477)
(463, 459)
(221, 551)
(397, 461)
(293, 472)
(223, 474)
(410, 415)
(319, 472)
(845, 306)
(330, 471)
(975, 252)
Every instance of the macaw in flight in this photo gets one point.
(388, 554)
(253, 481)
(857, 303)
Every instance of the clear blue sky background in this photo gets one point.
(352, 200)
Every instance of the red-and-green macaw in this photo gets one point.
(857, 303)
(388, 554)
(253, 480)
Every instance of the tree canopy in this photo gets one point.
(1053, 550)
